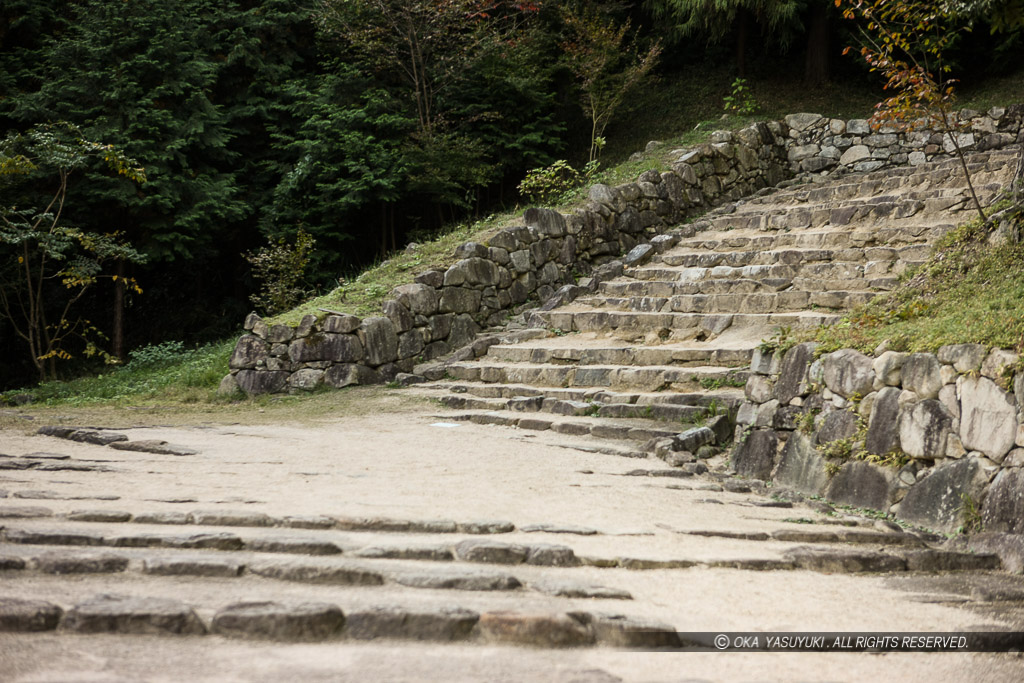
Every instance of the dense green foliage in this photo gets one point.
(365, 124)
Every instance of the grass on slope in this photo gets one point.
(969, 291)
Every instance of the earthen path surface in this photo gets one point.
(363, 536)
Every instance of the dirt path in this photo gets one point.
(370, 455)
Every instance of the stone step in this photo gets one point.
(654, 377)
(722, 285)
(777, 274)
(727, 396)
(676, 324)
(772, 302)
(331, 613)
(639, 430)
(839, 238)
(622, 355)
(683, 414)
(790, 257)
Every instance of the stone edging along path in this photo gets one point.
(536, 263)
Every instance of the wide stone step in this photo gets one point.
(778, 275)
(723, 285)
(621, 355)
(639, 430)
(773, 302)
(727, 396)
(790, 257)
(652, 378)
(653, 411)
(837, 238)
(699, 324)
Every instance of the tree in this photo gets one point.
(715, 19)
(47, 264)
(905, 41)
(606, 64)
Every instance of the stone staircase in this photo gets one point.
(660, 342)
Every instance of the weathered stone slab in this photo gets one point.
(109, 516)
(192, 566)
(24, 512)
(298, 546)
(221, 541)
(540, 630)
(843, 561)
(558, 529)
(1004, 505)
(58, 537)
(938, 501)
(68, 562)
(125, 614)
(28, 615)
(929, 560)
(1008, 547)
(849, 373)
(334, 574)
(429, 553)
(883, 427)
(793, 372)
(458, 579)
(566, 588)
(988, 417)
(755, 456)
(231, 518)
(155, 446)
(492, 552)
(438, 624)
(861, 484)
(801, 466)
(839, 424)
(486, 527)
(924, 428)
(920, 374)
(162, 518)
(551, 556)
(306, 621)
(629, 632)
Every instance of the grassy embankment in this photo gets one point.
(968, 292)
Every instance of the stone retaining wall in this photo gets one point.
(540, 261)
(820, 144)
(950, 426)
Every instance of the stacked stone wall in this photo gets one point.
(937, 439)
(819, 144)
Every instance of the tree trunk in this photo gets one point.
(117, 336)
(816, 67)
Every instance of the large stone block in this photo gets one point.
(339, 348)
(889, 366)
(920, 374)
(924, 427)
(883, 427)
(793, 373)
(459, 300)
(938, 501)
(254, 382)
(755, 456)
(963, 357)
(862, 485)
(1004, 504)
(249, 351)
(473, 272)
(988, 417)
(801, 466)
(345, 374)
(545, 221)
(379, 339)
(839, 424)
(849, 372)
